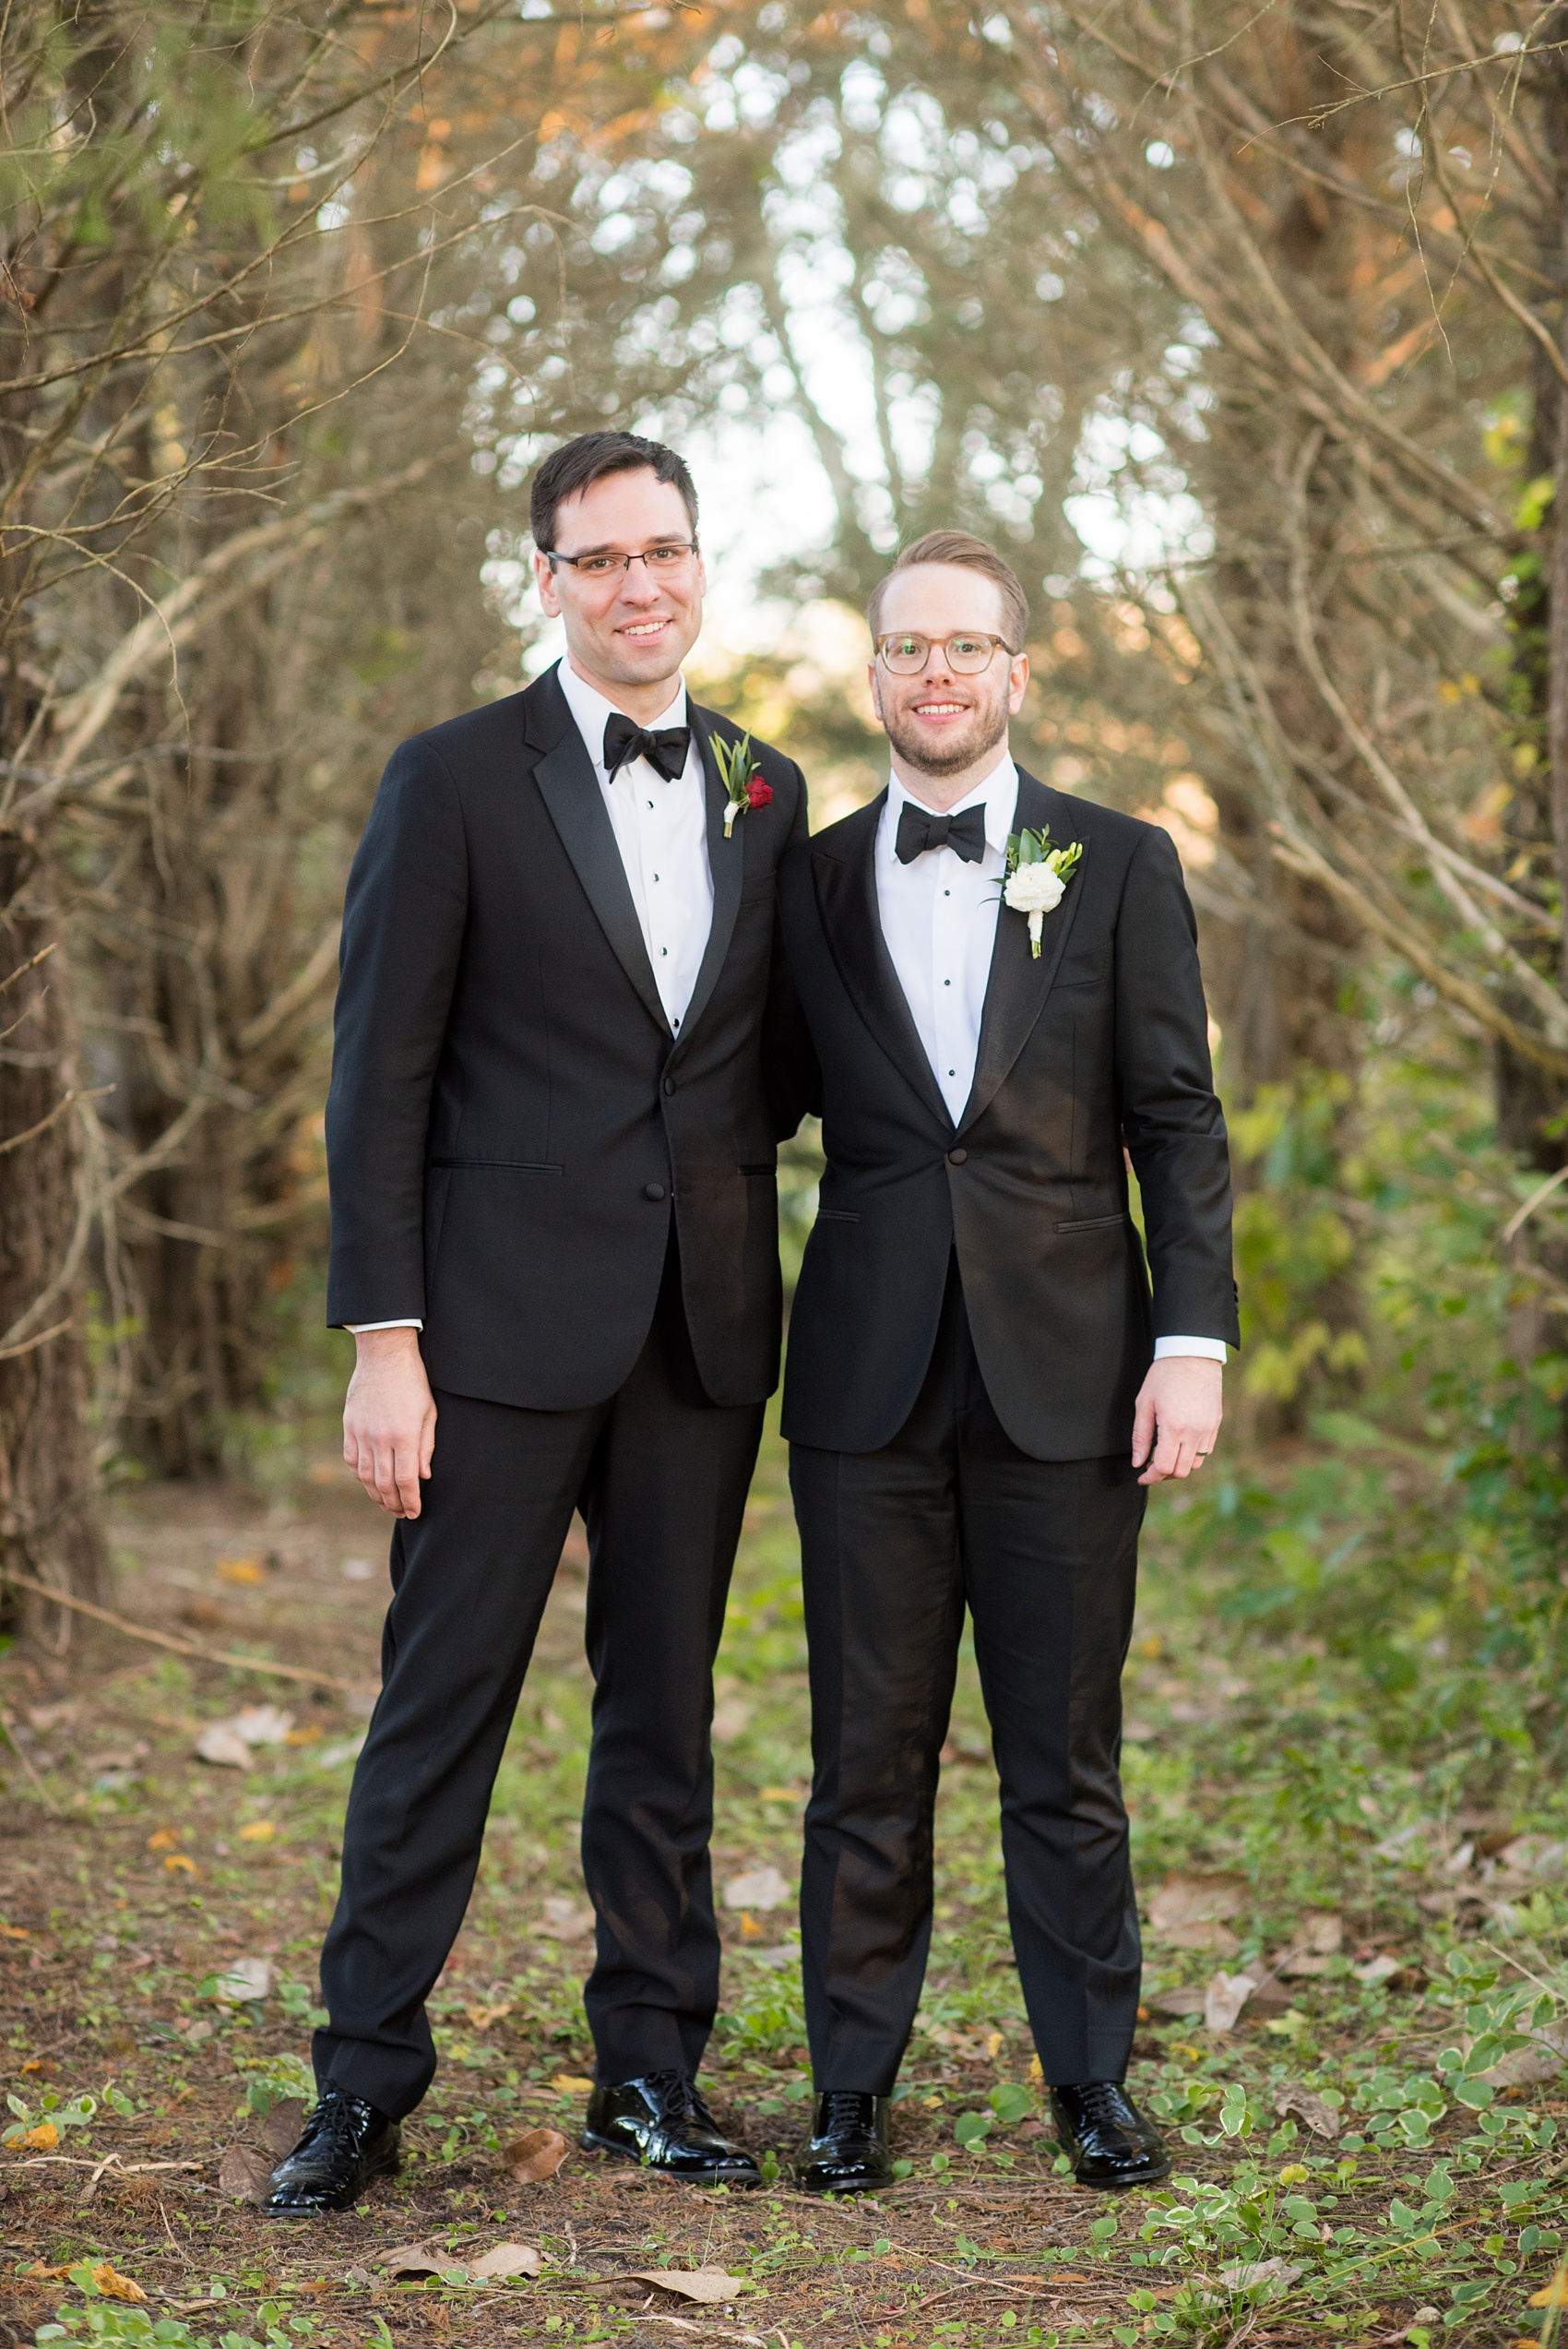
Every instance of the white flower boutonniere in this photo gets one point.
(1037, 879)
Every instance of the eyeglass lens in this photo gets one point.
(907, 656)
(656, 558)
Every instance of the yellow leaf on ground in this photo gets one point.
(1553, 2294)
(39, 2140)
(116, 2287)
(176, 1861)
(259, 1831)
(1036, 2074)
(311, 1736)
(782, 1795)
(994, 2042)
(16, 1932)
(483, 2016)
(164, 1839)
(241, 1570)
(566, 2083)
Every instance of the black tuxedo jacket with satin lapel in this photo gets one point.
(1105, 1036)
(506, 1093)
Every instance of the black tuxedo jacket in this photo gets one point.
(510, 1123)
(1104, 1039)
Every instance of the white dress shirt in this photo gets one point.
(938, 919)
(661, 831)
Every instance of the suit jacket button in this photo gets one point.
(956, 1157)
(670, 1084)
(654, 1191)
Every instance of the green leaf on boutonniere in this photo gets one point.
(1037, 876)
(741, 779)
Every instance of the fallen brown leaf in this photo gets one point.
(1202, 1933)
(709, 2285)
(1178, 2002)
(281, 2130)
(1224, 1999)
(536, 2155)
(1195, 1900)
(483, 2016)
(414, 2258)
(244, 2171)
(1321, 2118)
(223, 1746)
(759, 1888)
(508, 2259)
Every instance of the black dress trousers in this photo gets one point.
(894, 1545)
(660, 1475)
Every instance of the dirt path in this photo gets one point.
(135, 1878)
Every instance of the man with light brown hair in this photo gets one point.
(1002, 989)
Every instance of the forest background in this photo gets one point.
(1244, 330)
(1249, 350)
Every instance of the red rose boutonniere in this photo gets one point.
(744, 786)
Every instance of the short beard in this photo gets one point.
(991, 727)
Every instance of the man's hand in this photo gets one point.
(389, 1419)
(1177, 1419)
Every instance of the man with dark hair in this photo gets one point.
(555, 1237)
(1002, 988)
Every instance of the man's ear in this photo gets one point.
(875, 691)
(1017, 679)
(544, 579)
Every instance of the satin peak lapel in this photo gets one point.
(725, 862)
(570, 790)
(1016, 990)
(845, 881)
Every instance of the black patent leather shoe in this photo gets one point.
(848, 2153)
(1106, 2136)
(662, 2122)
(346, 2144)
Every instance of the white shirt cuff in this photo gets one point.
(1203, 1349)
(354, 1328)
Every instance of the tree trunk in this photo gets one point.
(50, 1526)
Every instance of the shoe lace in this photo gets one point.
(844, 2109)
(338, 2116)
(679, 2097)
(1105, 2100)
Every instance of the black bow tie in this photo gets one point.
(919, 830)
(665, 750)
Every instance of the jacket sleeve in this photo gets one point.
(403, 919)
(792, 1079)
(1172, 1120)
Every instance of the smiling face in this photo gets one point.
(626, 634)
(943, 729)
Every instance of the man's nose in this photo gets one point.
(638, 586)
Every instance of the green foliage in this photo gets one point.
(1294, 1245)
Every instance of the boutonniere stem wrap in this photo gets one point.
(1037, 876)
(740, 777)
